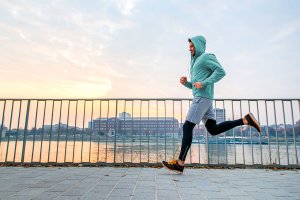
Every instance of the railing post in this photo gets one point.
(25, 131)
(2, 123)
(115, 135)
(294, 136)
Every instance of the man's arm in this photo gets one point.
(217, 69)
(183, 81)
(188, 85)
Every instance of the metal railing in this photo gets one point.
(144, 132)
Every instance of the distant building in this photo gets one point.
(4, 130)
(199, 131)
(125, 124)
(298, 123)
(55, 127)
(124, 115)
(220, 115)
(281, 127)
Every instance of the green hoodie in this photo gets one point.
(204, 68)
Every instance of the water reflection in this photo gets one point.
(140, 151)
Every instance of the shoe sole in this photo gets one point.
(255, 121)
(173, 170)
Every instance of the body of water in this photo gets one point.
(140, 151)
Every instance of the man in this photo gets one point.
(205, 70)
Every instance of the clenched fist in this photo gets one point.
(183, 80)
(198, 85)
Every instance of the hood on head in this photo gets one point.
(199, 43)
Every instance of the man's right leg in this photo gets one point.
(214, 129)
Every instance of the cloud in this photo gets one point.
(285, 30)
(125, 6)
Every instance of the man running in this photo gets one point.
(205, 70)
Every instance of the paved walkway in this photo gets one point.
(147, 183)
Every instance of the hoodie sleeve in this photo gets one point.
(217, 70)
(188, 85)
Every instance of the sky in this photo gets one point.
(139, 49)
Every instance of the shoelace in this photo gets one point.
(172, 162)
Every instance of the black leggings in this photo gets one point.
(212, 127)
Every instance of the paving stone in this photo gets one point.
(118, 198)
(68, 197)
(121, 192)
(144, 190)
(193, 196)
(234, 192)
(17, 187)
(59, 188)
(191, 191)
(241, 198)
(214, 195)
(144, 196)
(165, 197)
(19, 197)
(94, 195)
(6, 194)
(260, 195)
(47, 195)
(108, 183)
(31, 191)
(43, 184)
(167, 193)
(123, 185)
(76, 191)
(70, 182)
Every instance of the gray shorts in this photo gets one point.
(200, 109)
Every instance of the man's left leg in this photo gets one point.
(178, 165)
(197, 110)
